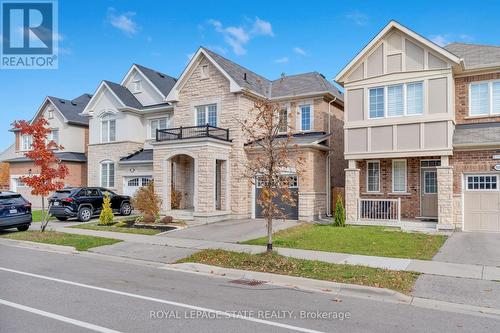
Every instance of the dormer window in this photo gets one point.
(136, 86)
(26, 142)
(204, 71)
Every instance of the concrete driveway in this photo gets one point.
(231, 231)
(471, 248)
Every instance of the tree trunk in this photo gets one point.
(269, 234)
(43, 215)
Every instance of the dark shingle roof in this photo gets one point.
(287, 86)
(71, 109)
(139, 156)
(65, 156)
(299, 139)
(477, 134)
(476, 56)
(163, 82)
(124, 95)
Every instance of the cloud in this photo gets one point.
(261, 27)
(299, 50)
(238, 36)
(444, 39)
(123, 22)
(281, 60)
(358, 18)
(218, 49)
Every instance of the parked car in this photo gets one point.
(85, 202)
(15, 211)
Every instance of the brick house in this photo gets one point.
(184, 134)
(69, 129)
(422, 133)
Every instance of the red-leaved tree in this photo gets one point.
(51, 172)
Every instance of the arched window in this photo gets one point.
(107, 174)
(108, 128)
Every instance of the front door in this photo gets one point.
(429, 202)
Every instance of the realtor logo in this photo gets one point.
(29, 35)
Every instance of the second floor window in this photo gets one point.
(54, 136)
(108, 129)
(50, 114)
(107, 174)
(160, 123)
(206, 114)
(484, 98)
(305, 117)
(395, 105)
(26, 142)
(377, 103)
(283, 120)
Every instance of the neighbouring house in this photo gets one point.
(69, 129)
(8, 153)
(185, 135)
(422, 132)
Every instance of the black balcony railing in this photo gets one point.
(180, 133)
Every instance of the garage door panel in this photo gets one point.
(489, 221)
(482, 203)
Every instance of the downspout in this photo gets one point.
(328, 157)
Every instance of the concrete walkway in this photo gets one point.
(481, 272)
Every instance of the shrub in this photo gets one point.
(175, 198)
(339, 218)
(106, 217)
(148, 203)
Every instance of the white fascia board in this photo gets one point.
(393, 24)
(88, 109)
(131, 70)
(174, 93)
(47, 99)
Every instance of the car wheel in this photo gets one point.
(62, 218)
(84, 214)
(23, 227)
(126, 209)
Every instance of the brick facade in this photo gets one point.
(471, 161)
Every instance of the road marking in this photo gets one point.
(59, 317)
(158, 300)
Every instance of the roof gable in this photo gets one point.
(372, 46)
(69, 109)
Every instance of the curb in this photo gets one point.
(39, 246)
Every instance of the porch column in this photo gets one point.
(445, 195)
(351, 192)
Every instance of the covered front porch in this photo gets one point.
(413, 192)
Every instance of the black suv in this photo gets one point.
(15, 211)
(85, 202)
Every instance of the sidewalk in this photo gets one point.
(480, 272)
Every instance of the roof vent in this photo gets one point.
(245, 76)
(322, 76)
(62, 101)
(73, 103)
(161, 75)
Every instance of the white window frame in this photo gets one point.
(107, 185)
(490, 99)
(29, 142)
(206, 106)
(405, 190)
(429, 170)
(137, 86)
(405, 100)
(102, 121)
(205, 74)
(481, 175)
(50, 137)
(284, 108)
(367, 176)
(311, 115)
(152, 134)
(50, 114)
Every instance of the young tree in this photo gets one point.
(106, 217)
(271, 137)
(147, 202)
(51, 171)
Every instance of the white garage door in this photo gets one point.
(482, 203)
(132, 184)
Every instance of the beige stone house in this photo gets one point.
(422, 133)
(69, 129)
(185, 135)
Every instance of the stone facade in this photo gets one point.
(351, 194)
(445, 197)
(113, 151)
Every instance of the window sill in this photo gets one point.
(482, 116)
(372, 193)
(399, 193)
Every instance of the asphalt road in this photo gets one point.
(53, 292)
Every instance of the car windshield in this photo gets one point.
(11, 199)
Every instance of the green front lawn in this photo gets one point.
(113, 228)
(79, 242)
(273, 263)
(367, 240)
(37, 216)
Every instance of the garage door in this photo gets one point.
(132, 184)
(291, 212)
(482, 203)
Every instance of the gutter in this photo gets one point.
(136, 162)
(328, 162)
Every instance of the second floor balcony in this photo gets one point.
(191, 132)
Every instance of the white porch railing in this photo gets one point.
(379, 209)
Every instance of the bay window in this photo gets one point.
(402, 100)
(107, 174)
(206, 114)
(373, 176)
(484, 98)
